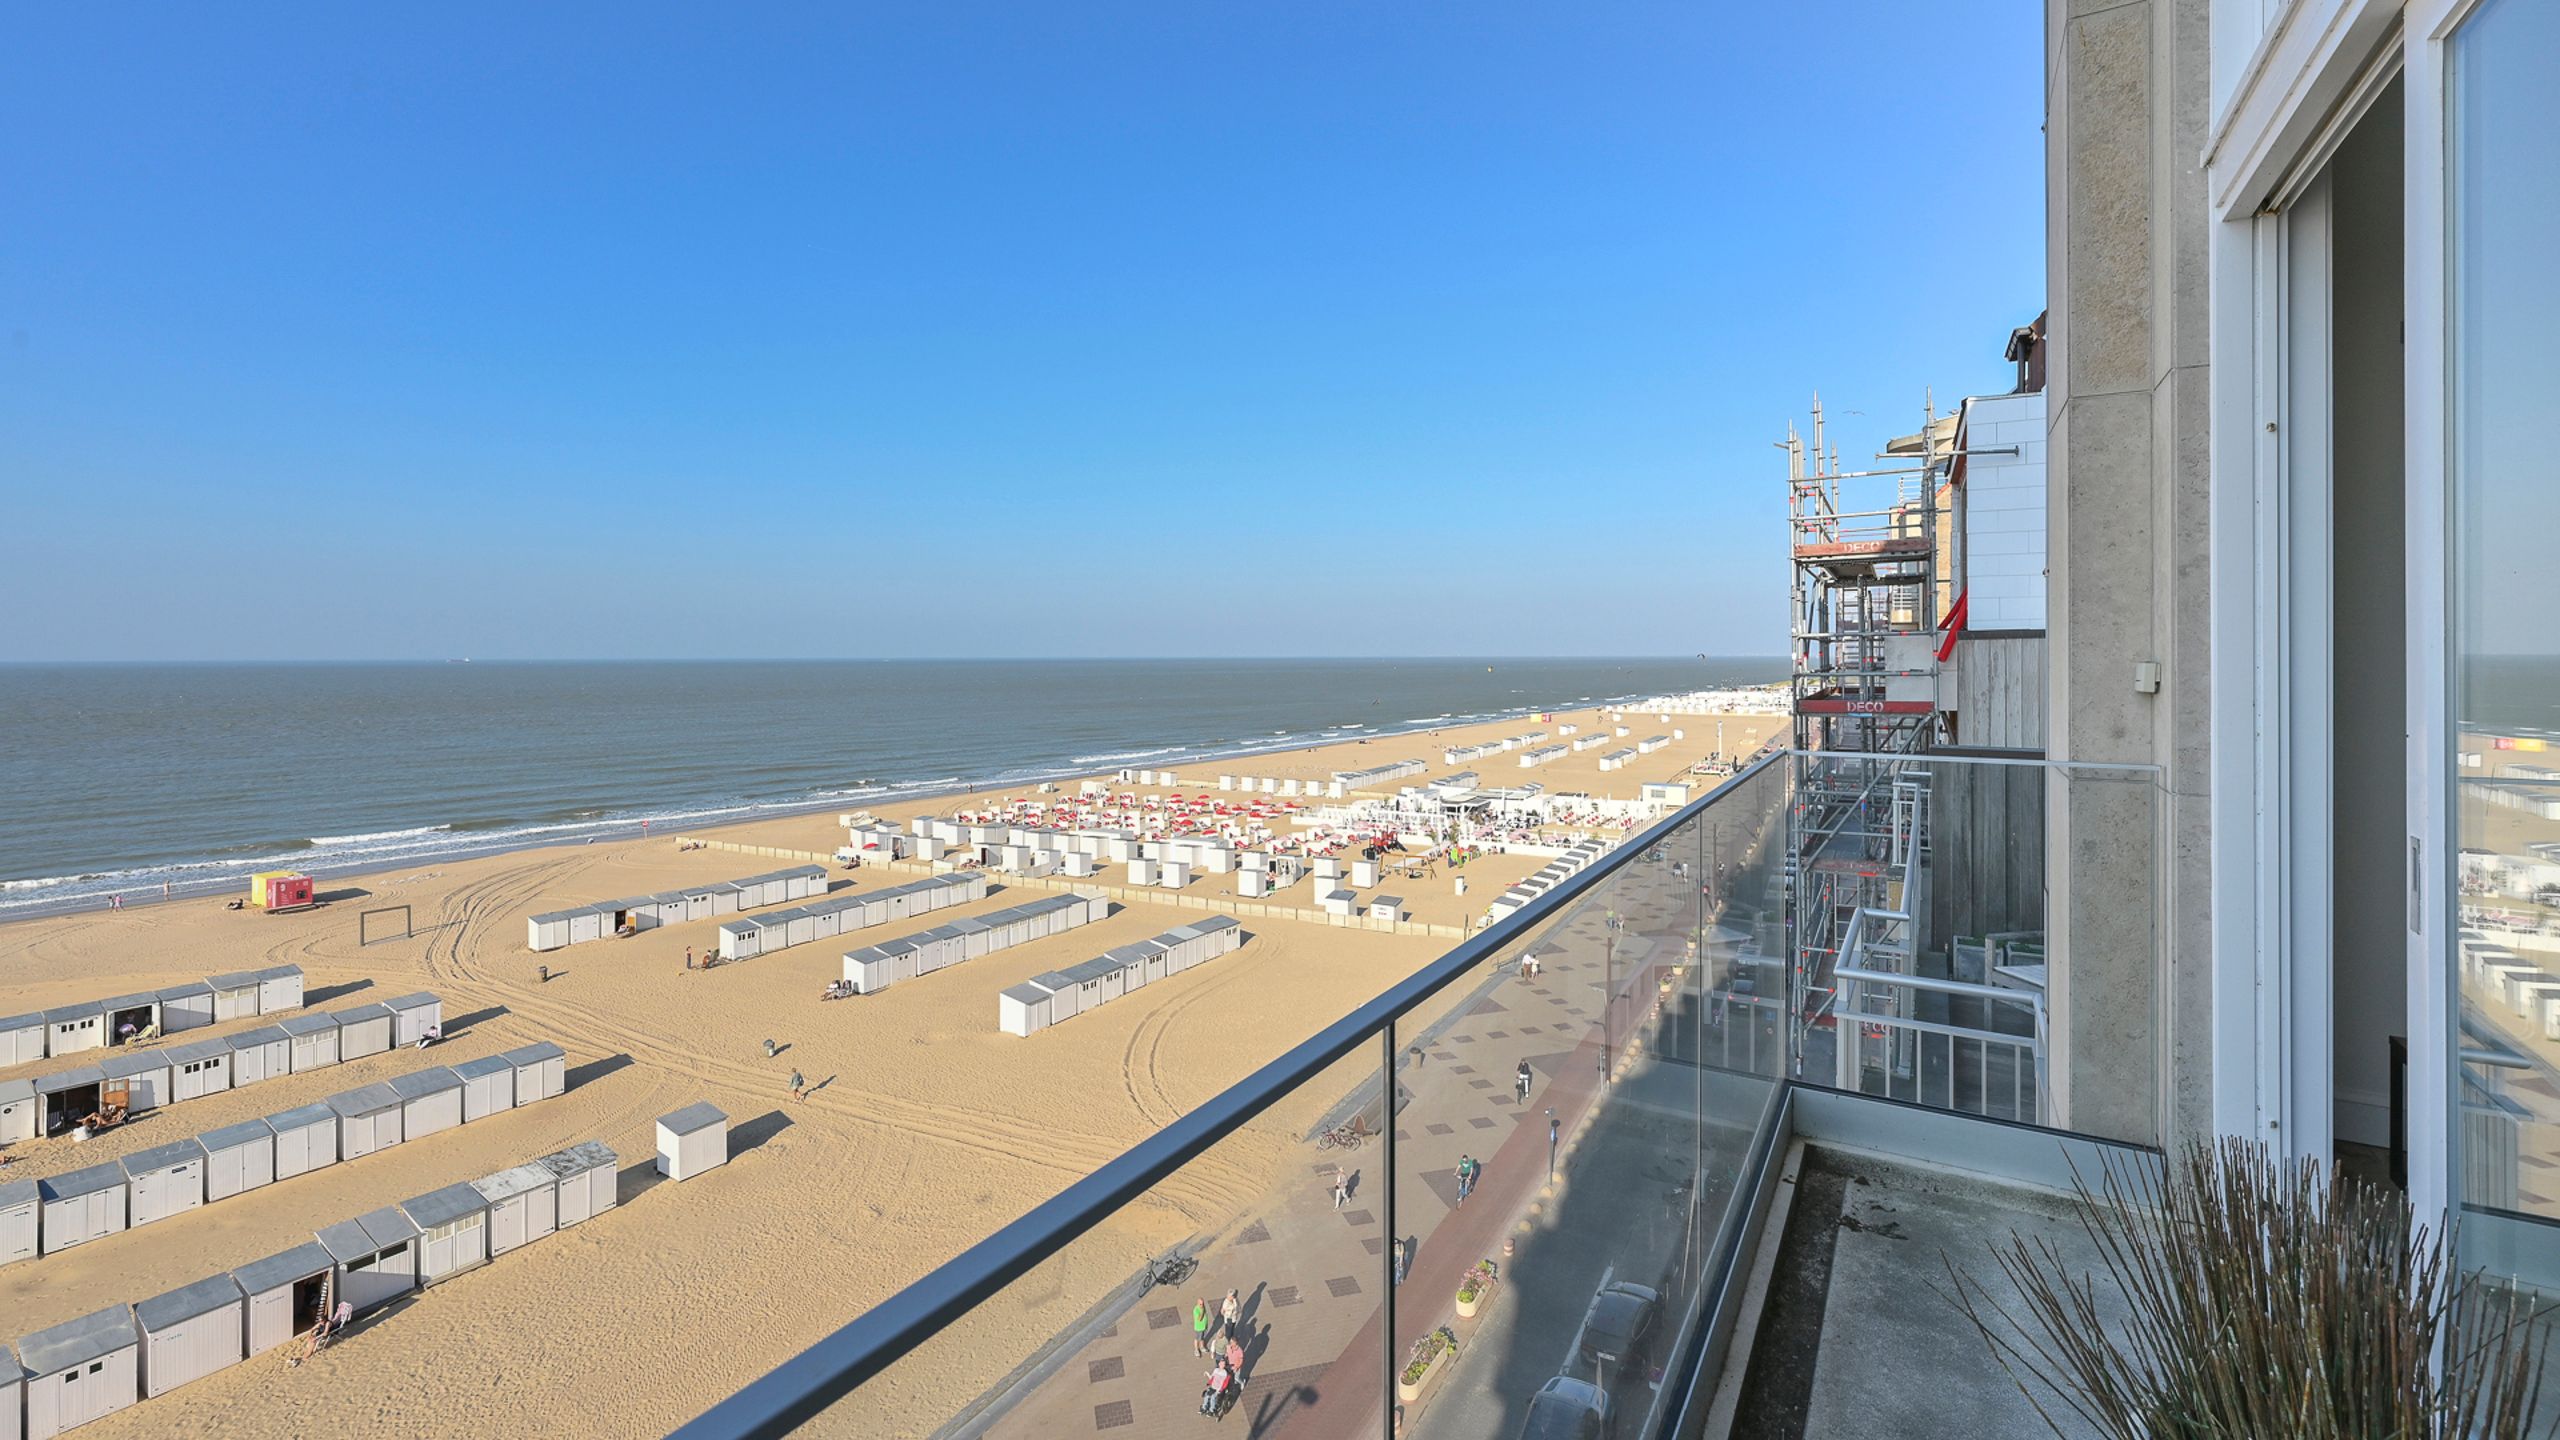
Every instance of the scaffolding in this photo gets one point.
(1865, 551)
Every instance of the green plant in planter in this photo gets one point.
(1479, 1278)
(2260, 1302)
(1426, 1350)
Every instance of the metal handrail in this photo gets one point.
(802, 1387)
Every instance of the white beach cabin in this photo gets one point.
(306, 1139)
(132, 1017)
(235, 996)
(362, 1030)
(488, 1086)
(411, 1015)
(82, 1205)
(13, 1394)
(692, 1140)
(283, 1293)
(162, 1181)
(198, 1068)
(524, 1206)
(590, 1180)
(313, 1041)
(237, 1159)
(190, 1333)
(185, 1007)
(453, 1231)
(80, 1370)
(376, 1256)
(70, 1029)
(21, 1039)
(279, 988)
(368, 1120)
(265, 1053)
(144, 1074)
(20, 1233)
(541, 1070)
(430, 1101)
(21, 1113)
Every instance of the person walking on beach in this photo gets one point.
(1199, 1328)
(799, 1087)
(688, 957)
(1520, 1082)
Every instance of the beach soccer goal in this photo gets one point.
(367, 932)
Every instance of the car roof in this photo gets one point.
(1553, 1417)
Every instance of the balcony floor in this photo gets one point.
(1857, 1336)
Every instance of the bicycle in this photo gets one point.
(1172, 1270)
(1346, 1136)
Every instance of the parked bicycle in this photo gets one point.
(1172, 1270)
(1346, 1136)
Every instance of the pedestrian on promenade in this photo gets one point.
(1341, 1187)
(1199, 1327)
(1520, 1082)
(1235, 1358)
(1230, 1313)
(1404, 1256)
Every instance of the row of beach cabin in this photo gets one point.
(1378, 775)
(1618, 757)
(48, 1216)
(1284, 787)
(150, 1014)
(85, 1369)
(2527, 988)
(1580, 743)
(1579, 856)
(752, 935)
(557, 928)
(1531, 759)
(147, 1079)
(876, 967)
(1046, 1000)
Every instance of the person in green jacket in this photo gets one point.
(1199, 1327)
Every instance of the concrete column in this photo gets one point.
(2126, 872)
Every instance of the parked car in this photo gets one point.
(1619, 1325)
(1569, 1409)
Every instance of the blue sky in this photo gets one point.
(960, 329)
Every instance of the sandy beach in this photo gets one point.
(925, 1128)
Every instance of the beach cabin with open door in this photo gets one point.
(411, 1015)
(70, 1029)
(368, 1120)
(283, 1293)
(21, 1113)
(69, 1095)
(453, 1231)
(164, 1180)
(132, 1017)
(488, 1086)
(237, 1159)
(541, 1070)
(191, 1332)
(198, 1068)
(524, 1206)
(430, 1100)
(79, 1206)
(692, 1140)
(185, 1007)
(362, 1030)
(265, 1053)
(311, 1041)
(235, 996)
(144, 1076)
(377, 1258)
(79, 1371)
(306, 1139)
(20, 1233)
(21, 1039)
(279, 988)
(590, 1180)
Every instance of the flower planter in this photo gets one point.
(1410, 1385)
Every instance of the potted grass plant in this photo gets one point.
(2241, 1297)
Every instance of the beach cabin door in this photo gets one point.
(379, 1278)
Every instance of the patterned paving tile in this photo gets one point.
(1497, 1034)
(1254, 1234)
(1462, 1069)
(1437, 1128)
(1531, 1029)
(1488, 1006)
(1282, 1296)
(1374, 1245)
(1479, 1084)
(1109, 1367)
(1403, 1135)
(1360, 1217)
(1343, 1287)
(1462, 1039)
(1481, 1123)
(1164, 1319)
(1113, 1415)
(1111, 1333)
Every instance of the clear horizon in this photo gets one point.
(971, 330)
